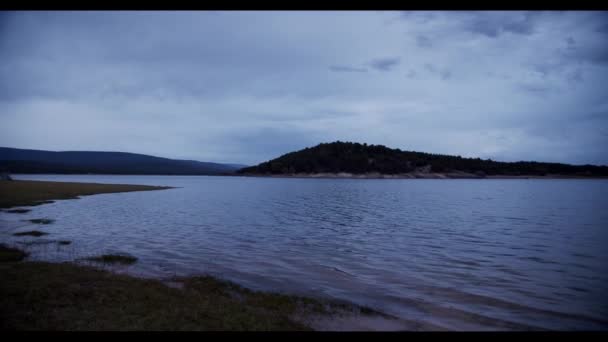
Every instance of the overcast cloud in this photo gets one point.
(245, 87)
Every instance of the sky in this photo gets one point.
(246, 87)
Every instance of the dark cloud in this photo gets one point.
(593, 52)
(343, 68)
(601, 17)
(243, 87)
(590, 47)
(418, 16)
(596, 54)
(566, 60)
(493, 24)
(385, 64)
(603, 28)
(596, 116)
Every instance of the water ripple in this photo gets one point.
(460, 254)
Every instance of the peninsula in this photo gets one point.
(354, 160)
(29, 193)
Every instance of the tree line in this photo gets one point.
(359, 158)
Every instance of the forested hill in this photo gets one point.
(17, 160)
(355, 158)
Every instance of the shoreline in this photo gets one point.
(454, 175)
(71, 296)
(75, 296)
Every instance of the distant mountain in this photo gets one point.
(354, 158)
(237, 166)
(37, 161)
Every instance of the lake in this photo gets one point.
(458, 254)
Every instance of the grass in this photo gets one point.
(65, 296)
(114, 259)
(42, 221)
(29, 193)
(11, 254)
(31, 233)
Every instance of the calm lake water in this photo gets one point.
(459, 254)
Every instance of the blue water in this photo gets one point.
(458, 254)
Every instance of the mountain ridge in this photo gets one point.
(18, 160)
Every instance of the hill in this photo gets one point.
(359, 159)
(76, 162)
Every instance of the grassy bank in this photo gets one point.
(27, 193)
(65, 296)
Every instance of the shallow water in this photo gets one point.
(457, 254)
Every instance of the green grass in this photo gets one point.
(114, 259)
(28, 193)
(42, 221)
(65, 296)
(31, 233)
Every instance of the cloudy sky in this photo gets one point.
(245, 87)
